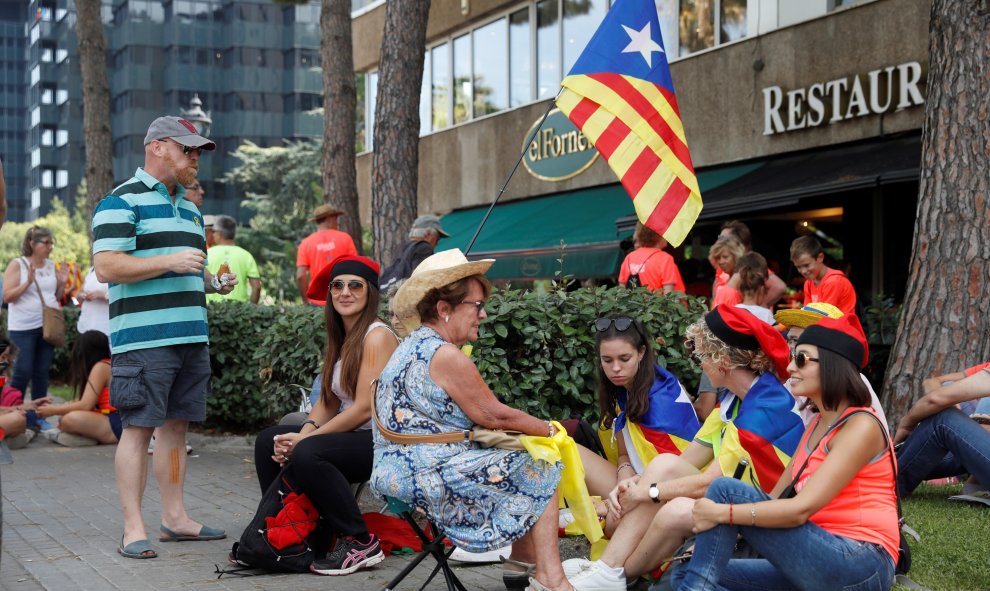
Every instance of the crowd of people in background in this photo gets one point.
(780, 445)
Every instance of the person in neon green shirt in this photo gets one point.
(240, 261)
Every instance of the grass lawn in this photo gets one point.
(954, 552)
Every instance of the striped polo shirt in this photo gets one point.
(140, 218)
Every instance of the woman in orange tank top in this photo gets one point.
(90, 414)
(831, 521)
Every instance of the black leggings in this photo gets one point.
(323, 467)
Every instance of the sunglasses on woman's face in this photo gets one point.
(354, 286)
(801, 359)
(622, 323)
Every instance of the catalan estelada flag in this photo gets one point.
(668, 426)
(620, 95)
(764, 427)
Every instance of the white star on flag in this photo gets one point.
(642, 42)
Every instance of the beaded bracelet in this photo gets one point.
(752, 513)
(625, 465)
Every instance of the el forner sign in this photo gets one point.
(887, 89)
(559, 151)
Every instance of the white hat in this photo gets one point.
(437, 270)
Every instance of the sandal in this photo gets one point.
(516, 580)
(139, 549)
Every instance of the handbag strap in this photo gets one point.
(36, 286)
(407, 438)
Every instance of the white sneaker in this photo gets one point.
(594, 578)
(51, 434)
(575, 566)
(492, 556)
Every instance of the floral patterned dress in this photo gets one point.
(482, 498)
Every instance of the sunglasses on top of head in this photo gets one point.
(354, 286)
(622, 323)
(801, 359)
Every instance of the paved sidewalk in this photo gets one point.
(62, 525)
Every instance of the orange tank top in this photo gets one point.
(866, 509)
(103, 402)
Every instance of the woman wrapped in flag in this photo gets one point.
(750, 435)
(644, 409)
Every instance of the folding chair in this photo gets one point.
(432, 546)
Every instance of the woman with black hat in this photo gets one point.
(332, 448)
(838, 529)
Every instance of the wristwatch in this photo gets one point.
(655, 493)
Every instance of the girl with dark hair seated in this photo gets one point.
(90, 414)
(332, 448)
(644, 409)
(839, 530)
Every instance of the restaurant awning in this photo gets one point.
(528, 237)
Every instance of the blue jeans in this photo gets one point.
(948, 433)
(34, 359)
(803, 557)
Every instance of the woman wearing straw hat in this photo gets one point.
(482, 498)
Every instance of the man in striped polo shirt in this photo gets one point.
(149, 245)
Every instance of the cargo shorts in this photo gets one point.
(150, 386)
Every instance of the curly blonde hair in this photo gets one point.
(706, 344)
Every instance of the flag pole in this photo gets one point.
(505, 184)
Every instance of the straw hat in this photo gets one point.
(437, 270)
(808, 315)
(325, 211)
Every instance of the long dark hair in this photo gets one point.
(840, 381)
(638, 395)
(90, 348)
(347, 347)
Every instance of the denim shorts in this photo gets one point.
(150, 386)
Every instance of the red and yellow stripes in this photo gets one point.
(636, 126)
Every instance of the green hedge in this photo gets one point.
(536, 350)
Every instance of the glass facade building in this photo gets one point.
(13, 75)
(254, 64)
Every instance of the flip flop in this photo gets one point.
(140, 549)
(516, 579)
(205, 533)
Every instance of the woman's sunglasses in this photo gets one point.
(354, 286)
(801, 359)
(622, 323)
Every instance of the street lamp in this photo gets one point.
(197, 116)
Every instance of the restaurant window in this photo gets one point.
(462, 79)
(490, 68)
(440, 69)
(520, 59)
(547, 48)
(581, 20)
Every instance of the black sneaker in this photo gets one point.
(348, 556)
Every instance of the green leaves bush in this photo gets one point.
(257, 352)
(537, 350)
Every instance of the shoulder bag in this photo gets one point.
(52, 320)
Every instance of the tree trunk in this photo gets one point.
(946, 314)
(97, 137)
(395, 167)
(339, 104)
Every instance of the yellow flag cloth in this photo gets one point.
(573, 490)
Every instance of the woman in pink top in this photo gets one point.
(839, 529)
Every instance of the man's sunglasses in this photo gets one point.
(354, 286)
(622, 323)
(186, 150)
(801, 359)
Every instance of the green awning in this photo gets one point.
(528, 236)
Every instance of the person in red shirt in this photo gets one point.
(775, 287)
(320, 248)
(821, 284)
(656, 269)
